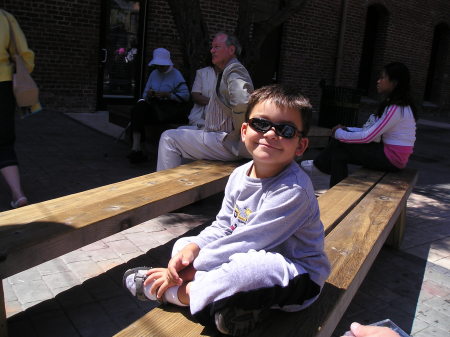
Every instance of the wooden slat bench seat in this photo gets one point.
(358, 215)
(39, 232)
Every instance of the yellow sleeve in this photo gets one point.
(20, 42)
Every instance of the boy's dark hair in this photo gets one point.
(401, 95)
(282, 96)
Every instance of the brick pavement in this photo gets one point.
(79, 294)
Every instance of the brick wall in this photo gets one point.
(65, 37)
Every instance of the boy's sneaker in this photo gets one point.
(311, 170)
(237, 322)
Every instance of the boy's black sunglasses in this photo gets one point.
(282, 130)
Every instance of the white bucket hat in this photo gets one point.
(161, 57)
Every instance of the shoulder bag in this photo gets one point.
(25, 89)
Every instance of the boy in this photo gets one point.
(265, 248)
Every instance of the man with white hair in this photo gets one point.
(224, 114)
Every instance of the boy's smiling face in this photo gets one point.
(272, 153)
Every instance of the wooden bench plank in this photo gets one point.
(339, 200)
(351, 247)
(26, 244)
(43, 209)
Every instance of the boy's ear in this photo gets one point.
(244, 128)
(302, 146)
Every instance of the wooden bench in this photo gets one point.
(359, 214)
(40, 232)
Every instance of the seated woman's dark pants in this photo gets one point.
(337, 155)
(7, 131)
(157, 112)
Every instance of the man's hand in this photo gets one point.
(359, 330)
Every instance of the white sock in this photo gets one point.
(171, 296)
(136, 141)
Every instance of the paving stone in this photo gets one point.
(130, 256)
(124, 309)
(84, 269)
(13, 307)
(32, 291)
(53, 324)
(53, 266)
(76, 256)
(142, 240)
(74, 297)
(434, 289)
(444, 263)
(123, 247)
(94, 246)
(437, 275)
(108, 264)
(8, 292)
(434, 317)
(20, 325)
(115, 237)
(439, 304)
(103, 287)
(59, 280)
(432, 331)
(56, 291)
(418, 325)
(104, 254)
(91, 320)
(162, 237)
(31, 274)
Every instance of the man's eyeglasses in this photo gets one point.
(282, 130)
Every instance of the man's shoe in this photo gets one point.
(237, 322)
(136, 157)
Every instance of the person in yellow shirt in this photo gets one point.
(8, 160)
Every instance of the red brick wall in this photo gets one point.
(65, 37)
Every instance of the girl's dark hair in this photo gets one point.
(284, 97)
(401, 95)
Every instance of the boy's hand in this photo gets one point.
(181, 260)
(161, 281)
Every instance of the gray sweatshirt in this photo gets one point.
(278, 214)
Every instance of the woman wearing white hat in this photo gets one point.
(161, 102)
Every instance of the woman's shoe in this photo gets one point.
(22, 201)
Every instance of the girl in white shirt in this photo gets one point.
(384, 143)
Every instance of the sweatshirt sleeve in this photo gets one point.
(221, 225)
(367, 135)
(20, 43)
(285, 214)
(239, 86)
